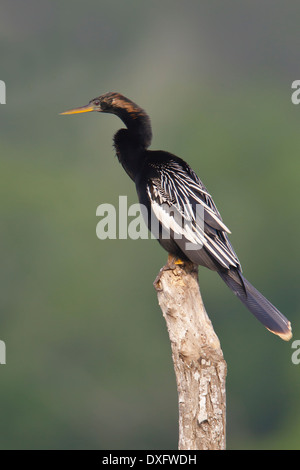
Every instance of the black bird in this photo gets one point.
(181, 211)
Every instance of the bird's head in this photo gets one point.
(130, 113)
(108, 103)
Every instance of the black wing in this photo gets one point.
(185, 209)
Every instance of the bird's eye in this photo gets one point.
(96, 102)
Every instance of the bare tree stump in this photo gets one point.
(199, 364)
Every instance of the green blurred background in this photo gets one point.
(88, 355)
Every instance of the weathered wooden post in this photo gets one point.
(199, 364)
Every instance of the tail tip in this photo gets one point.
(285, 335)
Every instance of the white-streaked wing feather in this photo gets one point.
(171, 196)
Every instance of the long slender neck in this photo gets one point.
(135, 118)
(129, 152)
(131, 143)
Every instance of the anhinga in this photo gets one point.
(190, 226)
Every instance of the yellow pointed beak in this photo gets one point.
(83, 109)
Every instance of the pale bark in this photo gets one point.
(199, 364)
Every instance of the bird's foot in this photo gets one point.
(174, 261)
(176, 265)
(179, 262)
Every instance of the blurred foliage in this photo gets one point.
(88, 355)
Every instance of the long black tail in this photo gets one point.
(263, 310)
